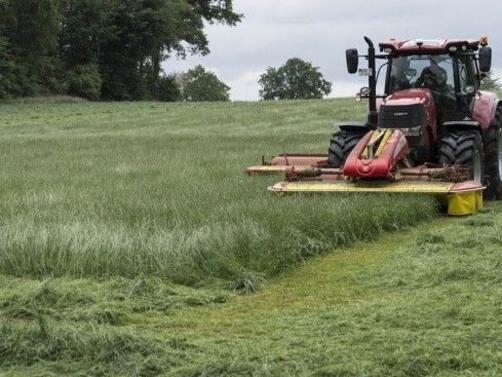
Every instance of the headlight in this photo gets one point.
(413, 131)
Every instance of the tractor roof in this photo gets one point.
(432, 46)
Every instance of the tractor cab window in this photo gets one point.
(464, 82)
(422, 71)
(466, 75)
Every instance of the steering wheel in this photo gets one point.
(428, 80)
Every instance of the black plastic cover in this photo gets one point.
(356, 127)
(401, 116)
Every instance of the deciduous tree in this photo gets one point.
(490, 82)
(297, 79)
(199, 85)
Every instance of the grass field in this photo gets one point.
(156, 190)
(128, 229)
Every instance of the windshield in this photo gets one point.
(422, 71)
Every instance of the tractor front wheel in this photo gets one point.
(493, 158)
(341, 145)
(463, 148)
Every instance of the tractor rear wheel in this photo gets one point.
(463, 148)
(493, 158)
(341, 145)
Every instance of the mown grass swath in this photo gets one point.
(414, 304)
(154, 189)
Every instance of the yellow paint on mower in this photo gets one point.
(379, 139)
(269, 169)
(461, 202)
(345, 186)
(385, 140)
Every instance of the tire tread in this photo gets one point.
(342, 143)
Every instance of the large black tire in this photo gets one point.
(463, 148)
(493, 158)
(341, 145)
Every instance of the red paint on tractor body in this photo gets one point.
(427, 46)
(382, 166)
(485, 106)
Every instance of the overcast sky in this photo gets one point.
(273, 31)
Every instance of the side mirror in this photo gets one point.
(364, 92)
(485, 59)
(352, 60)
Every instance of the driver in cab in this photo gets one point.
(433, 77)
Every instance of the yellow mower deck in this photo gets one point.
(463, 199)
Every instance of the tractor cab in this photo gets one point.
(450, 70)
(451, 80)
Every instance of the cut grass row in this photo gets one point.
(148, 189)
(424, 302)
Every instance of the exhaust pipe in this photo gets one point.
(372, 84)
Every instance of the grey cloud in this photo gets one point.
(321, 30)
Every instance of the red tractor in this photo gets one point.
(432, 130)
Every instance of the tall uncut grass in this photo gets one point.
(153, 189)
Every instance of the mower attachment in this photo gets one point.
(311, 174)
(372, 186)
(377, 164)
(287, 162)
(465, 198)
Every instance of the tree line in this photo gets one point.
(296, 79)
(101, 49)
(114, 50)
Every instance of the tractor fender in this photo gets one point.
(462, 125)
(485, 107)
(356, 127)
